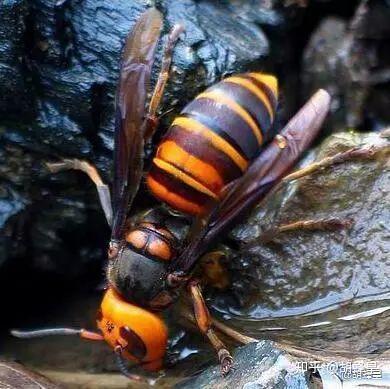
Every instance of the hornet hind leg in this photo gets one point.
(151, 121)
(204, 322)
(325, 224)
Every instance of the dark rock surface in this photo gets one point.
(14, 97)
(350, 59)
(257, 365)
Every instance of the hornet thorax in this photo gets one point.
(140, 267)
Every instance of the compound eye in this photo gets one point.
(99, 315)
(135, 345)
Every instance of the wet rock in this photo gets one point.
(14, 89)
(14, 375)
(350, 61)
(257, 365)
(42, 229)
(312, 271)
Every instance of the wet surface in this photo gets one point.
(259, 365)
(14, 375)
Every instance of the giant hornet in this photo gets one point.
(218, 159)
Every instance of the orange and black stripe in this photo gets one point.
(213, 141)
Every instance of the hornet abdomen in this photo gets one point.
(213, 141)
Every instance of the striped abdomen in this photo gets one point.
(213, 141)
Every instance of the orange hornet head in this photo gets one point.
(140, 334)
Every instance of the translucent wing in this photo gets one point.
(137, 61)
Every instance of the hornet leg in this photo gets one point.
(204, 323)
(126, 370)
(90, 170)
(351, 154)
(151, 121)
(308, 225)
